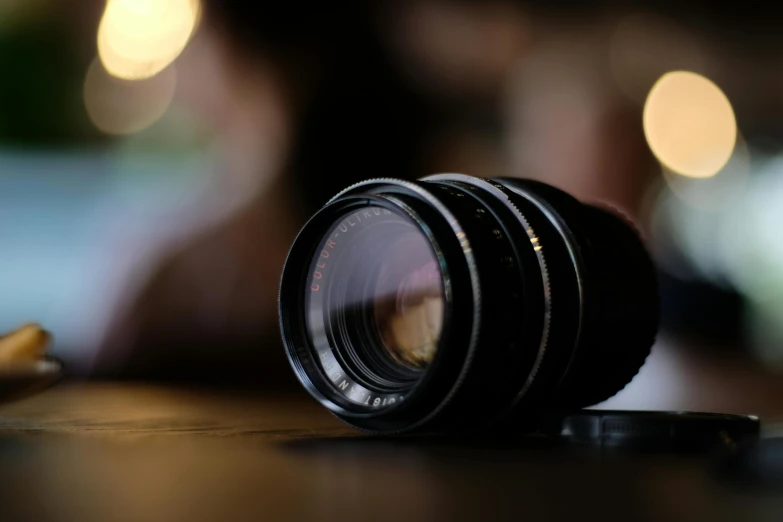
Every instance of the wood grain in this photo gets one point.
(153, 408)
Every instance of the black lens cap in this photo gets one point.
(649, 430)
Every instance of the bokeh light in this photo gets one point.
(690, 217)
(117, 106)
(689, 124)
(720, 191)
(138, 38)
(751, 240)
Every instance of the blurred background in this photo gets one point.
(158, 156)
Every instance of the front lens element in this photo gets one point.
(408, 302)
(375, 303)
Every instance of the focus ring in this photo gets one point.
(622, 315)
(619, 308)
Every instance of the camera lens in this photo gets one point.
(460, 303)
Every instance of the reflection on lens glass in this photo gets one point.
(376, 297)
(409, 306)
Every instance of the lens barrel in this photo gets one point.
(458, 303)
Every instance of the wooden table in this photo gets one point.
(132, 452)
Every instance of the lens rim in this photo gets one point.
(529, 249)
(462, 301)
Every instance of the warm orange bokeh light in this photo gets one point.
(689, 124)
(138, 38)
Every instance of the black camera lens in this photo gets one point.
(460, 303)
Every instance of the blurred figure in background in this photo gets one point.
(339, 113)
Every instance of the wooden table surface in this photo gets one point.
(133, 452)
